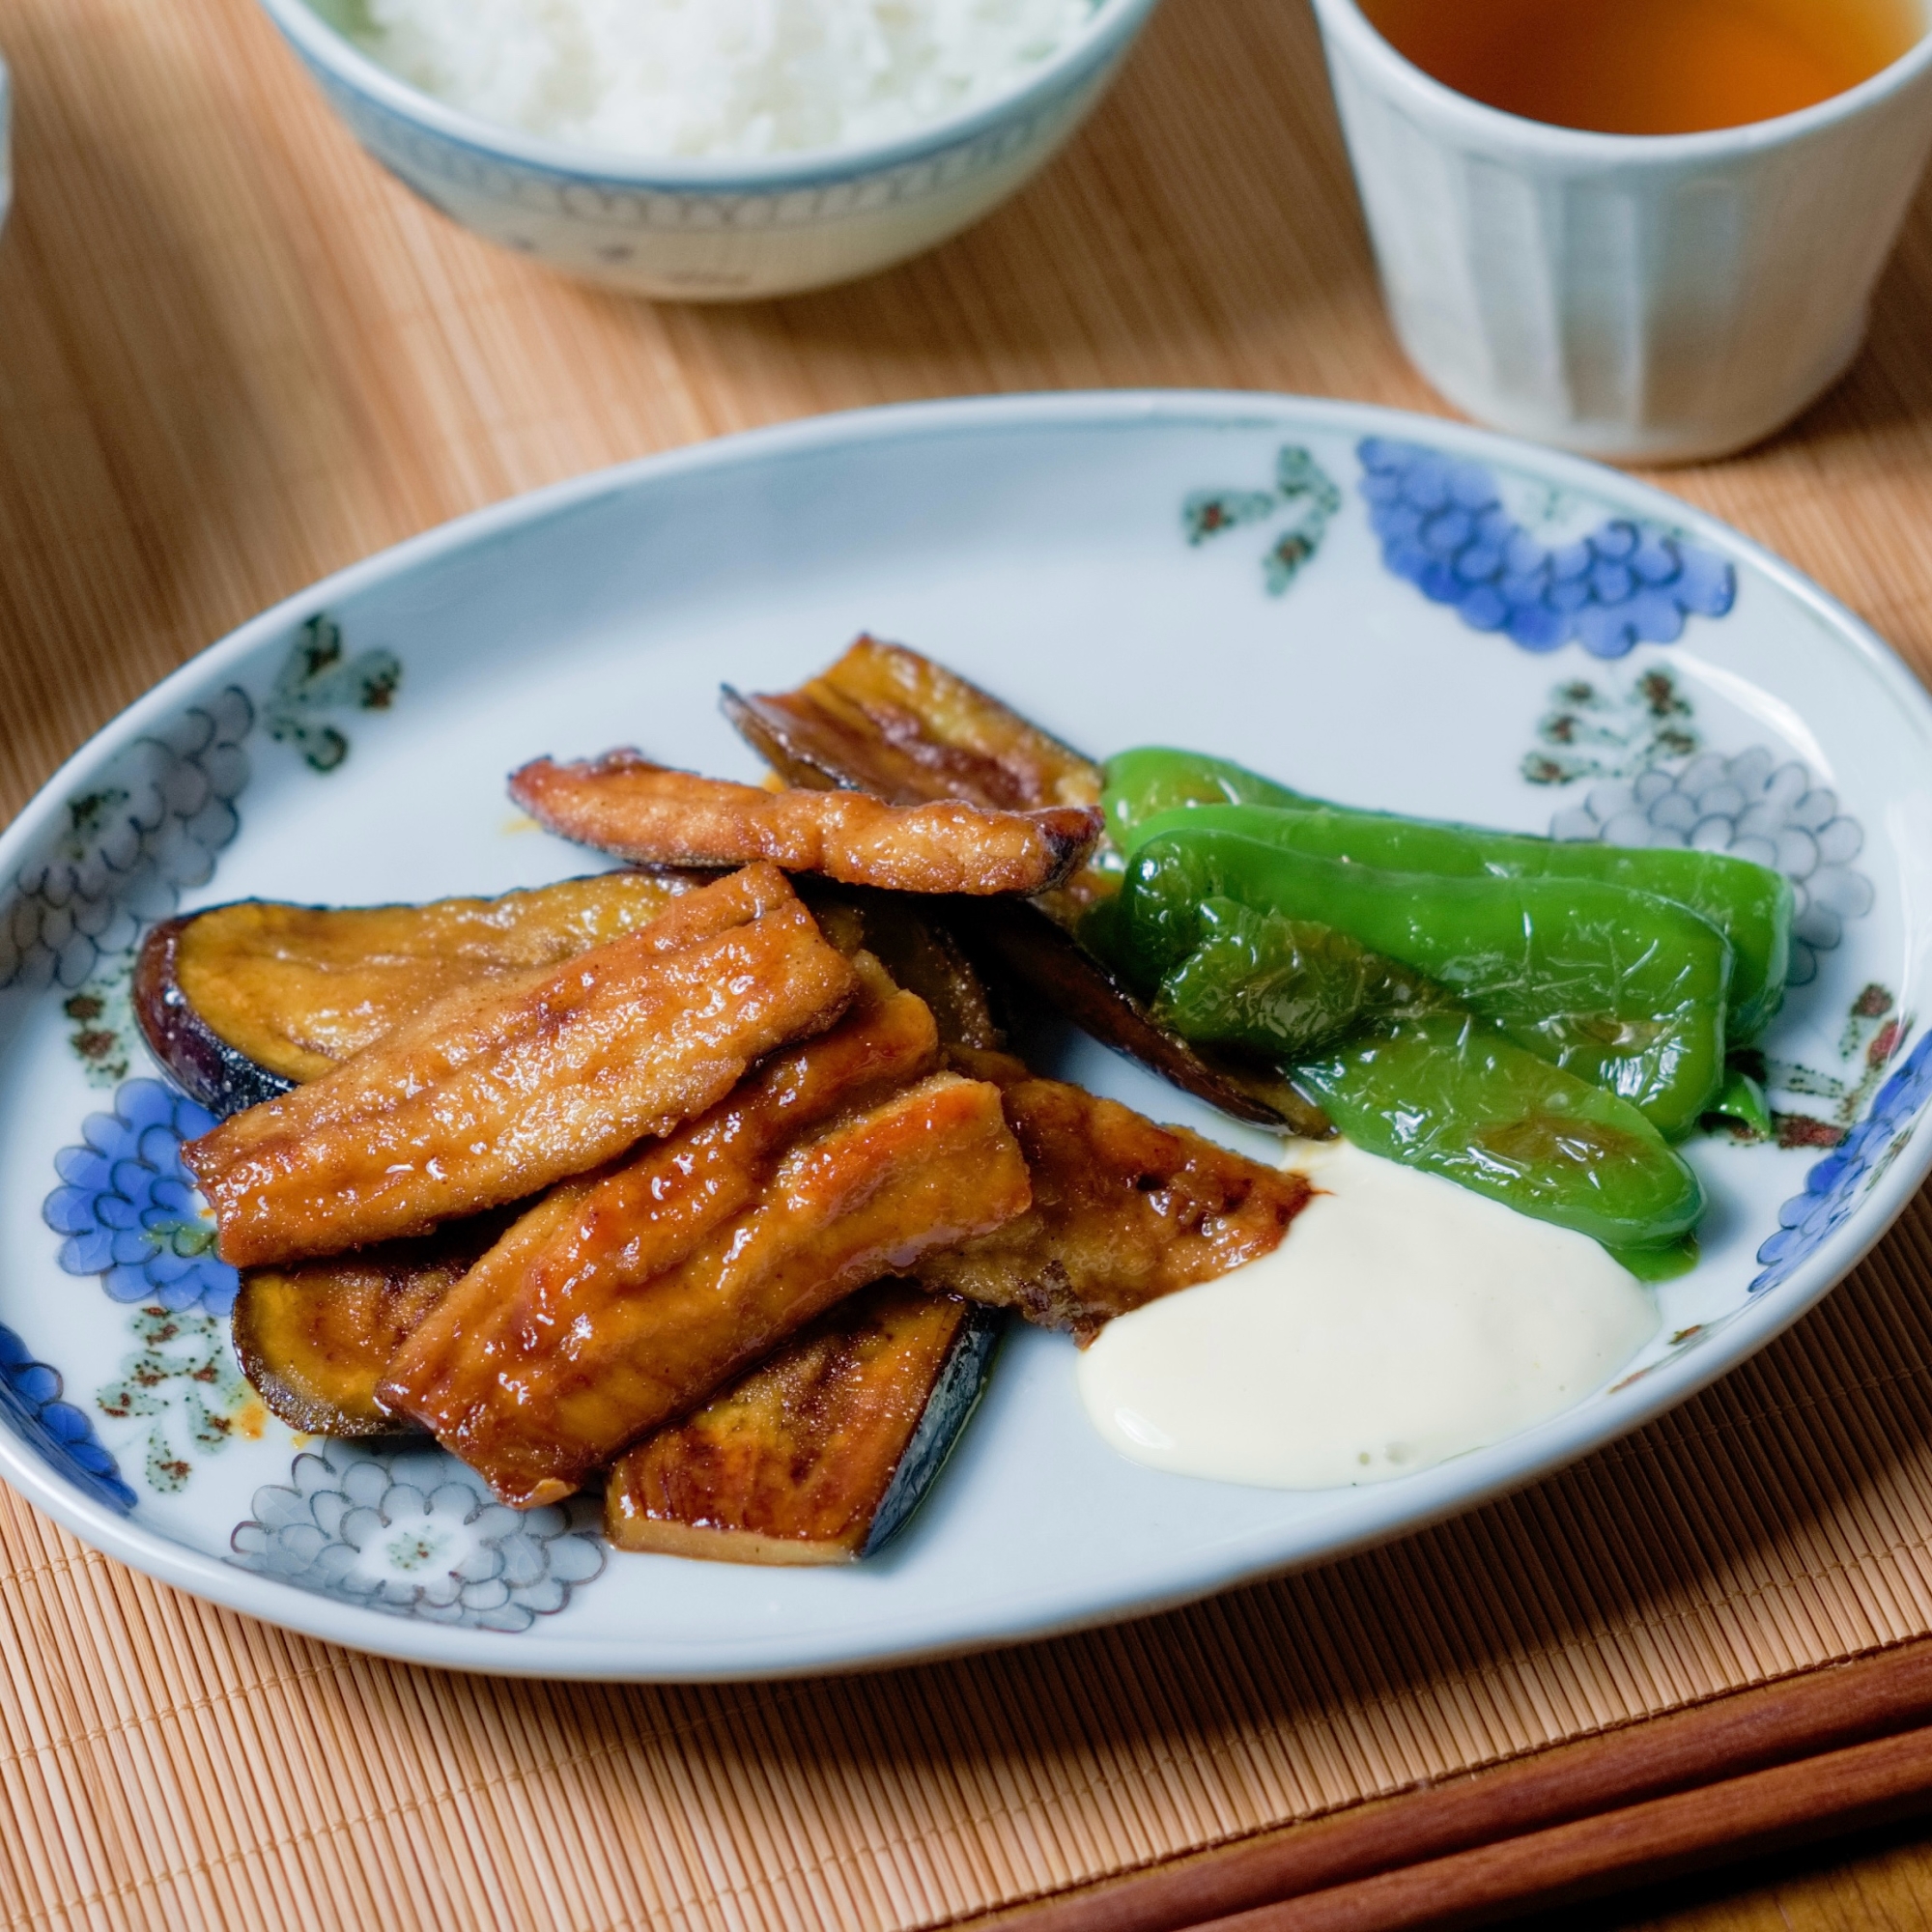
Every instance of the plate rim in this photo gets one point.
(1462, 1483)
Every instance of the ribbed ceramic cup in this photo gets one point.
(1642, 297)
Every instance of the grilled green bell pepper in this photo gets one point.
(1284, 987)
(1749, 904)
(1445, 1094)
(1620, 987)
(1413, 1077)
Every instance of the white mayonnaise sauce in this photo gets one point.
(1404, 1321)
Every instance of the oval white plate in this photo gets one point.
(1301, 585)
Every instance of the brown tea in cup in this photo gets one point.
(1649, 67)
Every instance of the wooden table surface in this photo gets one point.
(234, 356)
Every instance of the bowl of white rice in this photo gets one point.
(713, 149)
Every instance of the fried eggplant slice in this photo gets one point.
(649, 814)
(243, 1001)
(316, 1339)
(497, 1091)
(1124, 1212)
(570, 1339)
(821, 1453)
(888, 721)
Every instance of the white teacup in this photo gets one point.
(1643, 298)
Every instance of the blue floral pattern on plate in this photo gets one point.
(414, 1534)
(30, 1395)
(1837, 1184)
(1443, 528)
(129, 1209)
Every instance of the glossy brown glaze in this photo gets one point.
(790, 1463)
(497, 1091)
(299, 989)
(316, 1339)
(887, 721)
(595, 1328)
(1124, 1212)
(623, 805)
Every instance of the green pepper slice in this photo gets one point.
(1621, 988)
(1749, 904)
(1284, 987)
(1446, 1094)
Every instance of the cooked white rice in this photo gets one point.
(716, 76)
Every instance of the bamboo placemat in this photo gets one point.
(233, 355)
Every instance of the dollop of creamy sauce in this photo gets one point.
(1404, 1321)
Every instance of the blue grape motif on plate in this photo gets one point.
(1443, 528)
(415, 1534)
(1837, 1184)
(30, 1395)
(129, 1211)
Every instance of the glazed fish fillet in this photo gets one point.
(297, 989)
(499, 1090)
(649, 814)
(619, 1303)
(1124, 1212)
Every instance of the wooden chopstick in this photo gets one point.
(1831, 1751)
(1841, 1791)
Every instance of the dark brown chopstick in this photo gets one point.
(1867, 1784)
(1829, 1752)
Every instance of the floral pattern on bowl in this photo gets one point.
(414, 1533)
(129, 1211)
(1443, 528)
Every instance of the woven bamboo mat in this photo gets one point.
(233, 356)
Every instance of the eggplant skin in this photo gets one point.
(316, 1339)
(1017, 941)
(955, 1394)
(918, 952)
(207, 1068)
(823, 1452)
